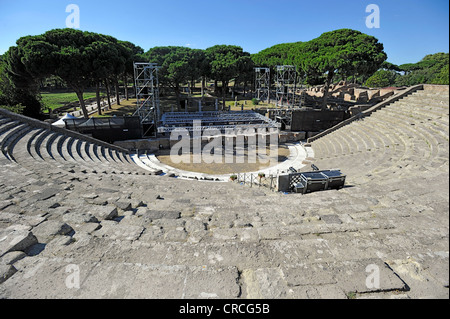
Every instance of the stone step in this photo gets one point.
(9, 138)
(6, 127)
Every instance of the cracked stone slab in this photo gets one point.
(12, 257)
(211, 283)
(308, 275)
(317, 292)
(45, 194)
(264, 283)
(49, 277)
(48, 230)
(79, 218)
(151, 234)
(107, 212)
(367, 275)
(116, 231)
(6, 271)
(123, 206)
(159, 214)
(331, 219)
(5, 203)
(15, 239)
(12, 219)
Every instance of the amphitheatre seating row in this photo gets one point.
(32, 145)
(405, 137)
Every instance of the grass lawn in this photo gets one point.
(126, 108)
(55, 100)
(248, 105)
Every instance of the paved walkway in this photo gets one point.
(298, 154)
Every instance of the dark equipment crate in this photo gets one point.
(336, 180)
(299, 188)
(314, 181)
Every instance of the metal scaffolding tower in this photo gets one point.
(286, 86)
(262, 84)
(147, 93)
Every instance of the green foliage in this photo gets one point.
(442, 77)
(344, 51)
(226, 61)
(18, 108)
(336, 54)
(22, 98)
(390, 66)
(382, 78)
(432, 69)
(176, 64)
(280, 54)
(255, 101)
(78, 58)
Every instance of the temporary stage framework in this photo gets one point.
(215, 120)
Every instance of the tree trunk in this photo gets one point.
(116, 87)
(326, 89)
(177, 93)
(224, 86)
(82, 104)
(125, 85)
(108, 93)
(97, 95)
(192, 86)
(203, 86)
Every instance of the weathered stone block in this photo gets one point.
(116, 231)
(12, 257)
(107, 212)
(159, 214)
(78, 218)
(48, 230)
(15, 240)
(6, 271)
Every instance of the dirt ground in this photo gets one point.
(222, 167)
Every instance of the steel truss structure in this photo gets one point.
(215, 120)
(147, 92)
(286, 86)
(262, 84)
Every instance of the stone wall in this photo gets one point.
(354, 92)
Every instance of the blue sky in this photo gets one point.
(409, 29)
